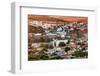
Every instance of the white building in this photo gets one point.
(56, 42)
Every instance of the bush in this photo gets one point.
(61, 44)
(42, 39)
(57, 57)
(42, 55)
(45, 46)
(67, 49)
(68, 42)
(33, 57)
(80, 54)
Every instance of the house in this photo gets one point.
(35, 45)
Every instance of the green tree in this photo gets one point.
(67, 49)
(43, 55)
(44, 45)
(80, 54)
(42, 39)
(62, 44)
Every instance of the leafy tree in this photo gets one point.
(37, 30)
(43, 55)
(40, 56)
(67, 49)
(45, 46)
(42, 39)
(68, 42)
(80, 34)
(44, 49)
(32, 56)
(61, 44)
(56, 57)
(80, 54)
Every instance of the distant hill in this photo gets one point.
(72, 18)
(68, 19)
(44, 18)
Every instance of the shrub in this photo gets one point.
(61, 44)
(67, 49)
(80, 54)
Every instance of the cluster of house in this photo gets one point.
(73, 34)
